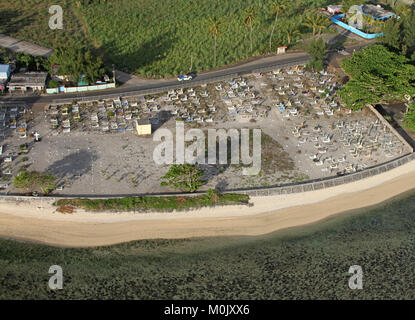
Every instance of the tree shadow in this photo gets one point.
(150, 51)
(74, 165)
(11, 21)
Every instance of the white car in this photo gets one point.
(184, 77)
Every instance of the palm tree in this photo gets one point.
(38, 62)
(368, 22)
(315, 22)
(249, 22)
(214, 29)
(291, 32)
(277, 6)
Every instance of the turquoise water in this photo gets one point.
(310, 262)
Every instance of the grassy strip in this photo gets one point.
(145, 203)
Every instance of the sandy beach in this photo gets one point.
(83, 229)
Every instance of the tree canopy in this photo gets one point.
(185, 176)
(317, 50)
(76, 62)
(399, 34)
(377, 75)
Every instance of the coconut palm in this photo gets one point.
(291, 32)
(277, 7)
(368, 22)
(315, 22)
(249, 21)
(214, 26)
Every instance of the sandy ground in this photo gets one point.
(81, 229)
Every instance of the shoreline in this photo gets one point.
(267, 215)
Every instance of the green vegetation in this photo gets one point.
(214, 30)
(317, 22)
(410, 117)
(29, 19)
(377, 75)
(184, 177)
(35, 181)
(317, 50)
(24, 60)
(399, 34)
(303, 263)
(210, 199)
(53, 84)
(76, 63)
(277, 7)
(159, 37)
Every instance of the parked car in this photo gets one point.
(184, 77)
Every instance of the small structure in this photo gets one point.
(281, 50)
(143, 127)
(35, 81)
(335, 9)
(5, 71)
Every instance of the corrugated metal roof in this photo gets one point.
(4, 67)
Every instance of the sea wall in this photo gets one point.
(254, 192)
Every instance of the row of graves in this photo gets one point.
(294, 91)
(13, 133)
(12, 120)
(193, 105)
(242, 100)
(111, 115)
(345, 146)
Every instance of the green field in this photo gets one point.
(157, 37)
(29, 20)
(303, 263)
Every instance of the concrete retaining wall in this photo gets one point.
(386, 123)
(265, 191)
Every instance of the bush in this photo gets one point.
(53, 84)
(35, 181)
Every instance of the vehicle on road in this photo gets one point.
(184, 77)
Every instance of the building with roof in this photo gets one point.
(5, 71)
(376, 11)
(143, 127)
(334, 9)
(24, 81)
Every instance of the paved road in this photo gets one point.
(259, 65)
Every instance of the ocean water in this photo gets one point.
(310, 262)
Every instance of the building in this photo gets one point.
(334, 9)
(377, 12)
(143, 127)
(5, 71)
(24, 81)
(281, 50)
